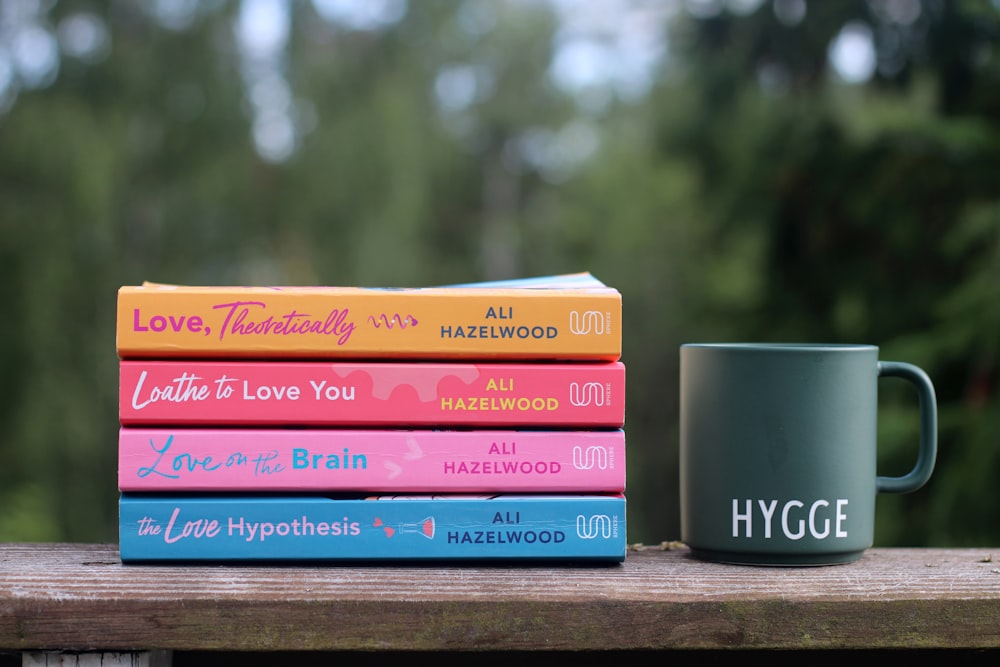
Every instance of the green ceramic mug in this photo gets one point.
(778, 450)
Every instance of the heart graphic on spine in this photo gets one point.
(389, 530)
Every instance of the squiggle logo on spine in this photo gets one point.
(597, 525)
(390, 322)
(589, 393)
(593, 456)
(590, 321)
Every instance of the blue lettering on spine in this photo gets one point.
(304, 459)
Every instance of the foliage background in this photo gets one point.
(733, 185)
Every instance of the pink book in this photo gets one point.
(383, 461)
(408, 394)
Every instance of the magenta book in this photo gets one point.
(410, 394)
(353, 460)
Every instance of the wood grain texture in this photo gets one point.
(81, 597)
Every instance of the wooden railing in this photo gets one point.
(78, 598)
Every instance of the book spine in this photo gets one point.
(392, 461)
(480, 323)
(438, 395)
(293, 528)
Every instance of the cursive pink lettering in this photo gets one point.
(237, 322)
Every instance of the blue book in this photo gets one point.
(180, 527)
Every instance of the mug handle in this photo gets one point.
(928, 429)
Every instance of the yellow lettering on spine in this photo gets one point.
(507, 403)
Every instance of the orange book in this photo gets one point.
(570, 317)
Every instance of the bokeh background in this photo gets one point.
(768, 170)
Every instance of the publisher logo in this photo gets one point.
(594, 526)
(594, 456)
(587, 322)
(587, 393)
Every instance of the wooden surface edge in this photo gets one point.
(80, 597)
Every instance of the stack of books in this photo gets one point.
(467, 422)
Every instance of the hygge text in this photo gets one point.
(795, 519)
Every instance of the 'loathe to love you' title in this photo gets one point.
(336, 391)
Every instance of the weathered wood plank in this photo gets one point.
(80, 597)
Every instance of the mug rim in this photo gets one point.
(803, 347)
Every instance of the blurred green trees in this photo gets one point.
(750, 192)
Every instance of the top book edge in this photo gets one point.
(581, 280)
(569, 281)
